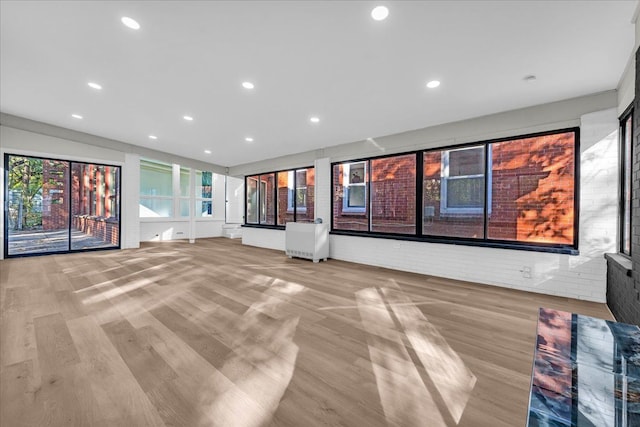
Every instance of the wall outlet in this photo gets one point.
(526, 272)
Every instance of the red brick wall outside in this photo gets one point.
(104, 229)
(532, 194)
(55, 175)
(393, 194)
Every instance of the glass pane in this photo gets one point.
(456, 214)
(252, 199)
(95, 206)
(356, 196)
(466, 161)
(184, 208)
(350, 210)
(285, 200)
(38, 205)
(204, 184)
(204, 208)
(393, 194)
(156, 179)
(156, 208)
(532, 188)
(267, 201)
(184, 182)
(465, 192)
(626, 187)
(304, 195)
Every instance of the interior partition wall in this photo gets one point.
(56, 206)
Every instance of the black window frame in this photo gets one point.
(70, 250)
(569, 249)
(626, 165)
(274, 174)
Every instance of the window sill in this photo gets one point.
(267, 226)
(622, 261)
(464, 242)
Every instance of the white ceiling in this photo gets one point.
(363, 78)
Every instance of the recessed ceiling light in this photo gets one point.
(130, 22)
(529, 78)
(248, 85)
(433, 84)
(153, 137)
(248, 139)
(207, 151)
(76, 116)
(314, 119)
(95, 86)
(188, 118)
(379, 13)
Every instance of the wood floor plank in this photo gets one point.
(207, 346)
(220, 334)
(147, 366)
(56, 348)
(120, 397)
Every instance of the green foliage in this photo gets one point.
(25, 183)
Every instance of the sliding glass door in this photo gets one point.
(57, 206)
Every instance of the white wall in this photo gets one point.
(582, 276)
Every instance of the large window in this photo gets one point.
(60, 206)
(167, 191)
(626, 150)
(275, 198)
(156, 189)
(517, 192)
(379, 201)
(350, 188)
(453, 192)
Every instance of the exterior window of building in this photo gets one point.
(285, 201)
(251, 184)
(204, 193)
(393, 194)
(350, 209)
(57, 206)
(626, 150)
(303, 197)
(184, 201)
(355, 187)
(267, 201)
(276, 198)
(512, 192)
(462, 187)
(156, 189)
(453, 193)
(167, 191)
(533, 185)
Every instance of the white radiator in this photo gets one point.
(307, 240)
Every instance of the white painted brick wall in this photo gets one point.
(264, 238)
(323, 191)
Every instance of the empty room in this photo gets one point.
(320, 213)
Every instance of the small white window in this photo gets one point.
(462, 185)
(355, 187)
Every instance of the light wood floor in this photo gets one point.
(216, 333)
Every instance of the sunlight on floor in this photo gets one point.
(247, 390)
(430, 390)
